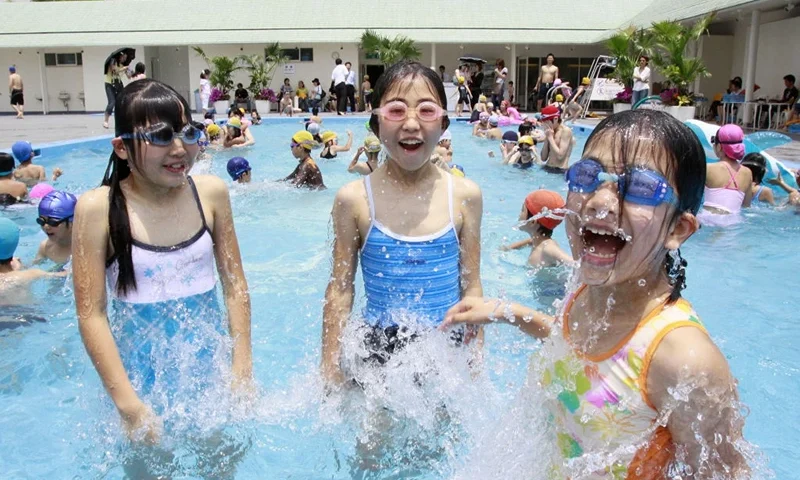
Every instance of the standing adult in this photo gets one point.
(15, 91)
(443, 74)
(339, 84)
(350, 83)
(113, 82)
(641, 80)
(205, 90)
(547, 75)
(500, 74)
(476, 87)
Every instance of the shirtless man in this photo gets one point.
(15, 91)
(11, 191)
(547, 75)
(558, 141)
(27, 172)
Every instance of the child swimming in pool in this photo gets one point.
(621, 368)
(239, 169)
(372, 147)
(152, 235)
(11, 191)
(414, 227)
(545, 251)
(14, 279)
(56, 210)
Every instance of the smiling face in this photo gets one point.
(615, 240)
(410, 142)
(60, 234)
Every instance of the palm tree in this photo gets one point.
(673, 38)
(222, 69)
(262, 68)
(390, 51)
(627, 46)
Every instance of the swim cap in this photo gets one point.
(305, 139)
(213, 130)
(586, 81)
(40, 190)
(208, 121)
(372, 144)
(526, 139)
(238, 166)
(12, 69)
(235, 123)
(483, 116)
(550, 112)
(510, 136)
(557, 82)
(559, 97)
(460, 79)
(446, 135)
(328, 136)
(58, 205)
(540, 200)
(313, 128)
(6, 164)
(482, 98)
(493, 120)
(23, 151)
(316, 119)
(731, 138)
(9, 238)
(457, 170)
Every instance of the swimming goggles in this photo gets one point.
(715, 139)
(637, 185)
(397, 111)
(524, 147)
(53, 222)
(163, 134)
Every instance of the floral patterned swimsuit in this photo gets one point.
(599, 403)
(170, 327)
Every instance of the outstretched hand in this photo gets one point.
(473, 311)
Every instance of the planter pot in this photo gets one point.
(263, 106)
(681, 113)
(621, 107)
(222, 107)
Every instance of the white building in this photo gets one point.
(59, 47)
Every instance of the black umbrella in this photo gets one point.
(471, 59)
(130, 54)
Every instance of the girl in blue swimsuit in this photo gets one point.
(152, 235)
(414, 227)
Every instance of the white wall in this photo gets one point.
(172, 65)
(321, 67)
(718, 53)
(27, 62)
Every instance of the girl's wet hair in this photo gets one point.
(757, 164)
(141, 103)
(399, 72)
(645, 133)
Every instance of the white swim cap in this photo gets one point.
(313, 128)
(446, 135)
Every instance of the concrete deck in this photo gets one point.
(44, 129)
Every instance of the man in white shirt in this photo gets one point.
(351, 87)
(338, 82)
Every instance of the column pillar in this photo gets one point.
(699, 54)
(433, 58)
(750, 61)
(512, 72)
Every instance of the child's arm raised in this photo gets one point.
(480, 311)
(346, 147)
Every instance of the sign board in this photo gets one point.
(605, 89)
(288, 69)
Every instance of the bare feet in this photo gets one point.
(105, 124)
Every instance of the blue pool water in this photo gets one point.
(57, 422)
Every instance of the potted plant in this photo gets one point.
(626, 46)
(222, 69)
(679, 69)
(389, 51)
(261, 70)
(623, 99)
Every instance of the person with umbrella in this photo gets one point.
(116, 65)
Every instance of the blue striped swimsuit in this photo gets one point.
(410, 281)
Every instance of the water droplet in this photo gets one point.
(383, 249)
(642, 282)
(717, 438)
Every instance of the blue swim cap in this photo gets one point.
(9, 238)
(510, 136)
(22, 151)
(238, 166)
(58, 205)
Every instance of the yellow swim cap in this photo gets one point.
(213, 130)
(328, 136)
(235, 122)
(460, 79)
(305, 139)
(526, 139)
(372, 144)
(586, 81)
(559, 97)
(482, 98)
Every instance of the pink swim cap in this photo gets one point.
(731, 138)
(40, 190)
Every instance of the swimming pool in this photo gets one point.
(57, 422)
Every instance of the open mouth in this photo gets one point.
(411, 145)
(178, 167)
(601, 246)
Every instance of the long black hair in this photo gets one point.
(757, 164)
(645, 133)
(401, 71)
(141, 103)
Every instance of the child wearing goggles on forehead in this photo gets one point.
(618, 363)
(56, 211)
(155, 239)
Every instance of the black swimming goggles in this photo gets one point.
(162, 134)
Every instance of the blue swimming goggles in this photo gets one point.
(637, 185)
(162, 134)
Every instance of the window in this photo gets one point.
(298, 54)
(63, 59)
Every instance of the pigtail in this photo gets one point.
(675, 266)
(119, 223)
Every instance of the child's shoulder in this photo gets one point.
(93, 202)
(210, 185)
